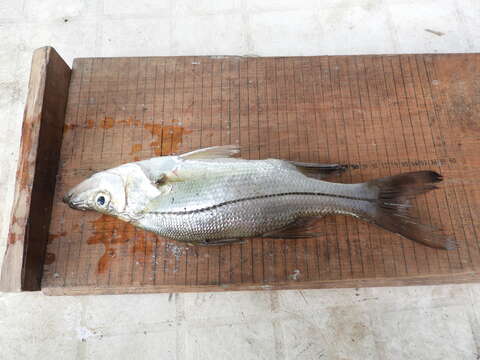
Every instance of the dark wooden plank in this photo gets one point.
(37, 170)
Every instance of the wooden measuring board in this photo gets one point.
(382, 115)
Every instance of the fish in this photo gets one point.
(210, 196)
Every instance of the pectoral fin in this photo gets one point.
(213, 152)
(160, 201)
(319, 171)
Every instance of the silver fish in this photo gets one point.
(209, 197)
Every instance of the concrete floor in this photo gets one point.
(441, 322)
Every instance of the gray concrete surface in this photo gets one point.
(440, 322)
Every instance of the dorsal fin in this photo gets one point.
(213, 152)
(318, 171)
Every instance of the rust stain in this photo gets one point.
(157, 147)
(107, 123)
(136, 148)
(88, 125)
(20, 223)
(168, 137)
(101, 236)
(67, 127)
(49, 258)
(111, 232)
(52, 237)
(130, 122)
(12, 238)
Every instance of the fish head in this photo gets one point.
(103, 192)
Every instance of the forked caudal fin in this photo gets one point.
(393, 202)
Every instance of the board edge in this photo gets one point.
(420, 280)
(42, 132)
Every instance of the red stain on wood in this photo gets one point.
(157, 147)
(168, 137)
(107, 123)
(111, 232)
(20, 223)
(12, 238)
(49, 258)
(88, 125)
(130, 122)
(67, 127)
(52, 237)
(136, 148)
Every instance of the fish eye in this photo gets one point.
(102, 200)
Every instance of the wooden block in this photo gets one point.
(37, 169)
(383, 115)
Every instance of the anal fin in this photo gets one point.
(299, 229)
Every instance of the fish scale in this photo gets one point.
(253, 213)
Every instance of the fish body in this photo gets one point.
(209, 197)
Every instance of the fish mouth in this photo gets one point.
(66, 198)
(74, 204)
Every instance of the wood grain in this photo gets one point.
(383, 115)
(36, 174)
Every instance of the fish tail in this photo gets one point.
(391, 207)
